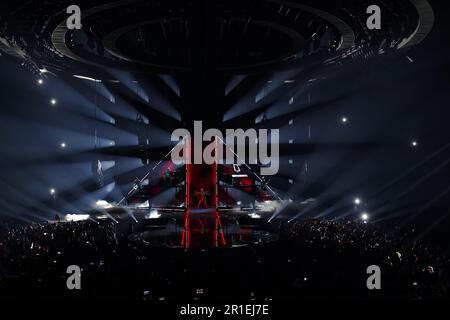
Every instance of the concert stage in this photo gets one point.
(202, 229)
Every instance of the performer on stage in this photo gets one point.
(201, 198)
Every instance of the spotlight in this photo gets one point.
(357, 201)
(76, 217)
(86, 78)
(414, 143)
(53, 102)
(239, 176)
(364, 216)
(40, 82)
(63, 145)
(344, 119)
(103, 204)
(52, 191)
(153, 214)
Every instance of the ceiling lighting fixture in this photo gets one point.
(86, 78)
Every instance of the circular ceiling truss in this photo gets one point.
(111, 44)
(298, 30)
(248, 35)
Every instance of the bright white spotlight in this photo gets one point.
(53, 101)
(77, 217)
(63, 145)
(44, 70)
(103, 204)
(357, 201)
(145, 204)
(40, 82)
(344, 119)
(153, 214)
(52, 191)
(86, 78)
(364, 216)
(414, 143)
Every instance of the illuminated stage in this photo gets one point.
(196, 206)
(201, 229)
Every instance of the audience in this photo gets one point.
(312, 259)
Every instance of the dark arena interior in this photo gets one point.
(248, 151)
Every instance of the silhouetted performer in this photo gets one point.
(201, 198)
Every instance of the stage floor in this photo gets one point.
(202, 229)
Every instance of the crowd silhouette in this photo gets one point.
(313, 259)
